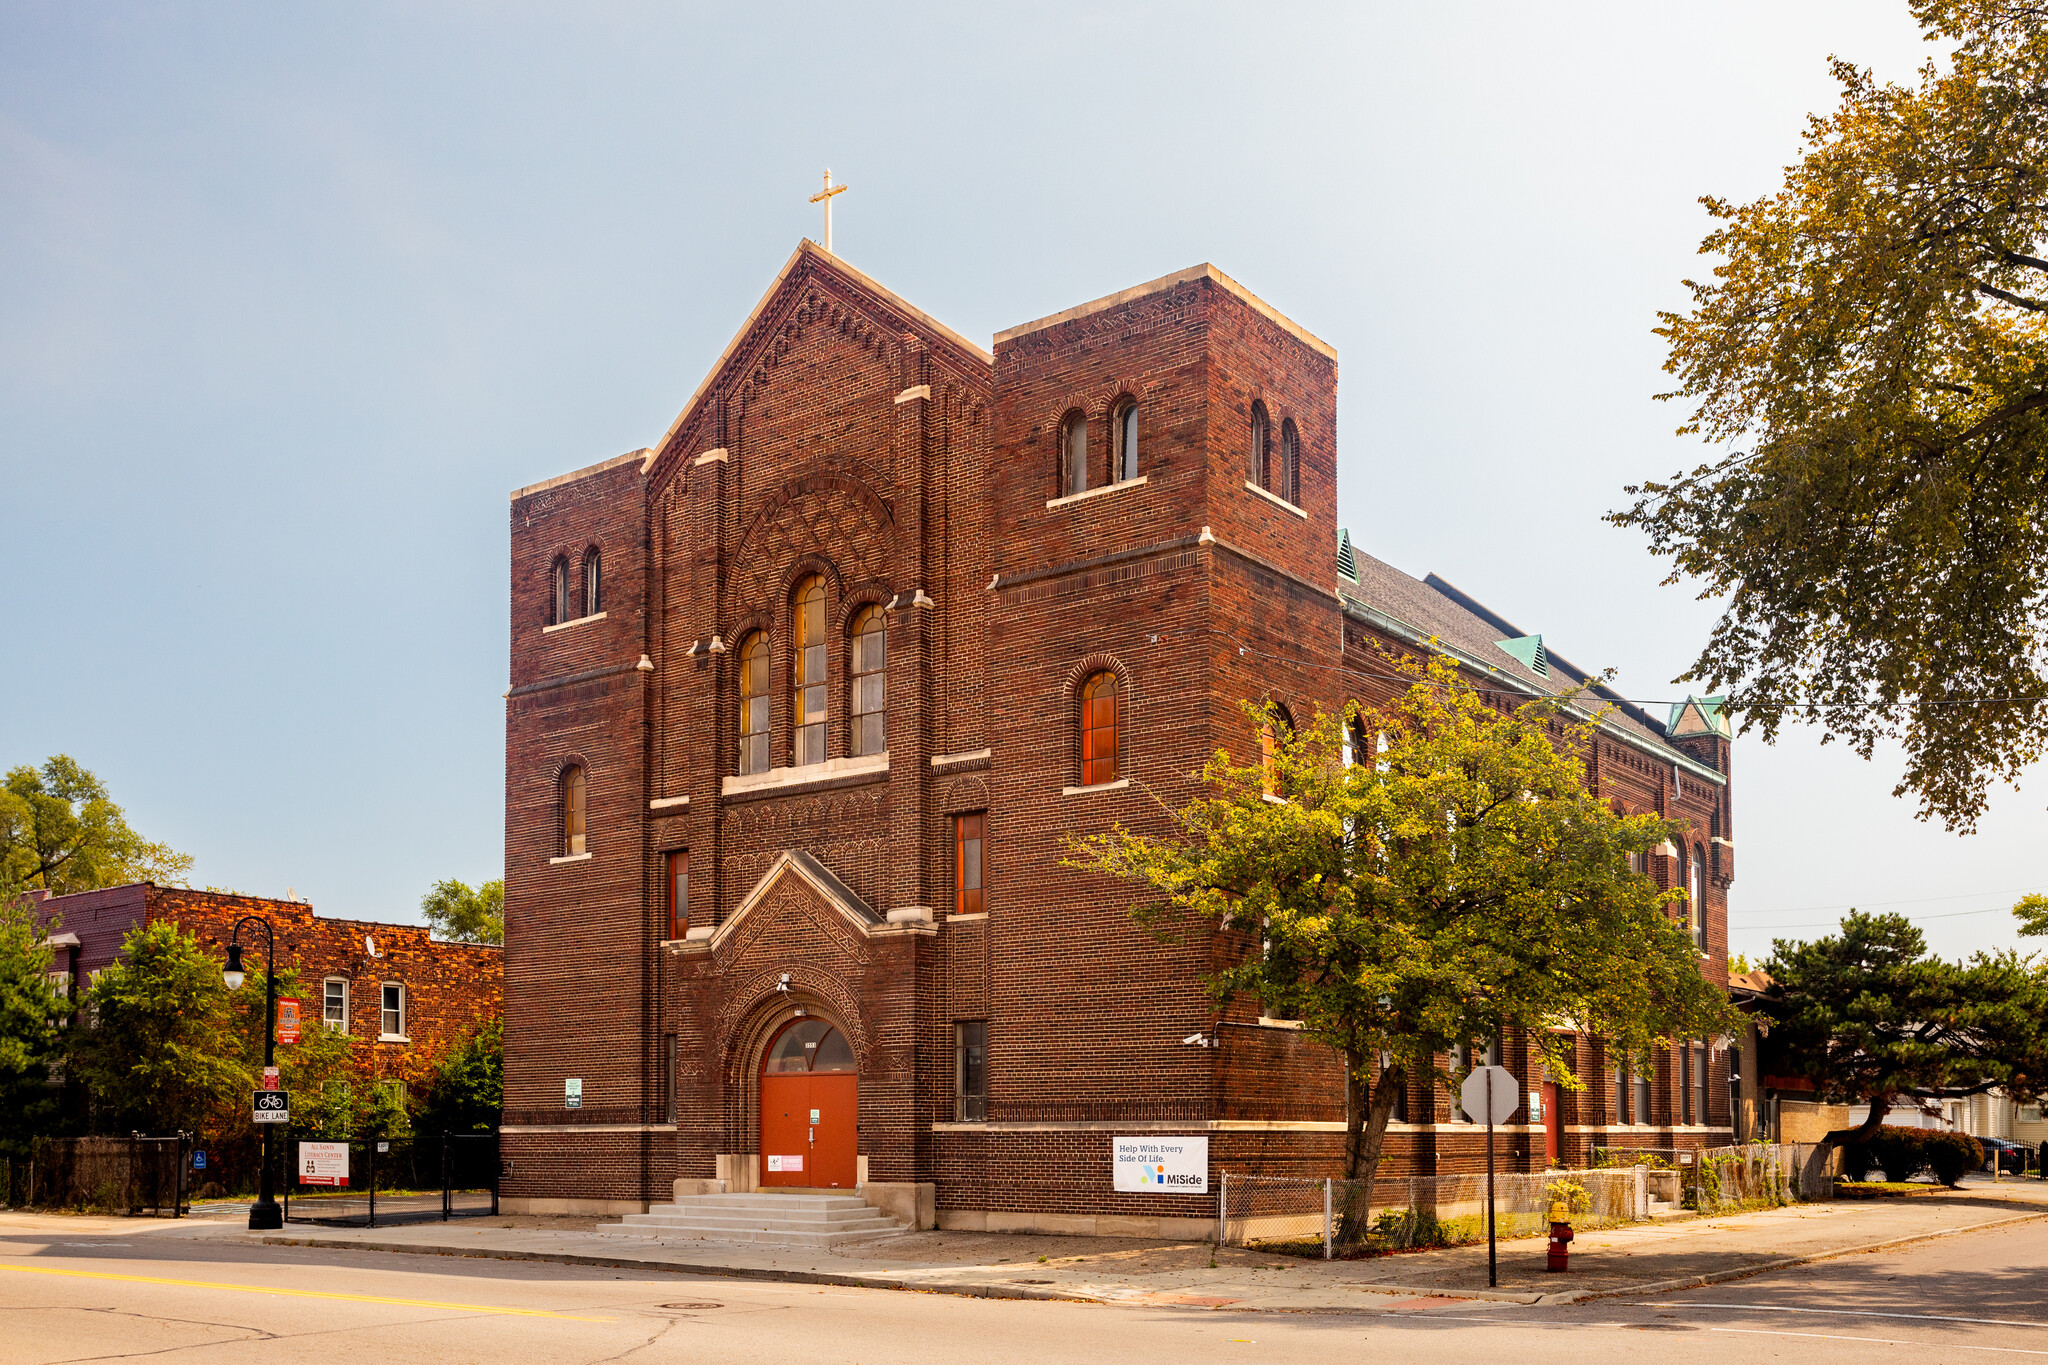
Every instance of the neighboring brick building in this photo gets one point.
(730, 846)
(352, 973)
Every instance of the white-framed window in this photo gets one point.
(392, 1024)
(2030, 1113)
(334, 1003)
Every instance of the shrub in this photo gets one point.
(1856, 1161)
(1900, 1150)
(1953, 1155)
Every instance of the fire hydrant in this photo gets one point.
(1560, 1242)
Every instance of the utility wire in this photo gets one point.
(1922, 900)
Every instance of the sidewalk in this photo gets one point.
(1635, 1259)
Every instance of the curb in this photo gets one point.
(976, 1290)
(968, 1289)
(1786, 1262)
(962, 1288)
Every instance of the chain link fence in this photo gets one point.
(1752, 1176)
(1331, 1217)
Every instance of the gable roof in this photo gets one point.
(1432, 608)
(801, 865)
(808, 256)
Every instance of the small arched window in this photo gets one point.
(1099, 722)
(1696, 900)
(807, 673)
(593, 587)
(1262, 430)
(870, 681)
(1290, 462)
(754, 703)
(1274, 733)
(1074, 454)
(573, 797)
(558, 600)
(1127, 440)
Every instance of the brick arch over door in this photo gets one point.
(758, 1013)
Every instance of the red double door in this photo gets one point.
(810, 1110)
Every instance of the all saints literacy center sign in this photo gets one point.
(1160, 1165)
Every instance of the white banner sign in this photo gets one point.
(323, 1163)
(785, 1164)
(1160, 1165)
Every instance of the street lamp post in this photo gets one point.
(264, 1214)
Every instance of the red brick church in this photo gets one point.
(805, 696)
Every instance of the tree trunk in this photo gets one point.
(1815, 1175)
(1366, 1111)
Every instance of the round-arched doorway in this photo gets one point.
(810, 1109)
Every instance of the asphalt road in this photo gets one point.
(1975, 1297)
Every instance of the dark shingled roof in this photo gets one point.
(1432, 607)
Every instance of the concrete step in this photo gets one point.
(761, 1219)
(708, 1223)
(856, 1212)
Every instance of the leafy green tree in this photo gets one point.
(1463, 884)
(1871, 357)
(1871, 1017)
(157, 1049)
(32, 1012)
(467, 1092)
(455, 912)
(2032, 913)
(59, 830)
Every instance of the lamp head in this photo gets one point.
(233, 974)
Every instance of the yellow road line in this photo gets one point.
(301, 1293)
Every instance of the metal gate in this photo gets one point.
(391, 1180)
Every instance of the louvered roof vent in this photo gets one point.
(1347, 563)
(1528, 649)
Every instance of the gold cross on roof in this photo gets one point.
(824, 197)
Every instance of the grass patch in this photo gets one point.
(1884, 1189)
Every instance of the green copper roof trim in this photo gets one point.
(1529, 649)
(1394, 625)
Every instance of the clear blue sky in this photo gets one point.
(292, 296)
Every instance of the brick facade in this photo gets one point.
(845, 435)
(449, 988)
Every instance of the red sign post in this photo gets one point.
(287, 1020)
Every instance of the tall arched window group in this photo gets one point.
(867, 684)
(1077, 473)
(1278, 472)
(565, 602)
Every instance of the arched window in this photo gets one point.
(807, 673)
(558, 602)
(1696, 900)
(754, 703)
(572, 810)
(593, 596)
(1261, 437)
(1127, 440)
(810, 1045)
(870, 681)
(1098, 729)
(1290, 462)
(1074, 454)
(1274, 733)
